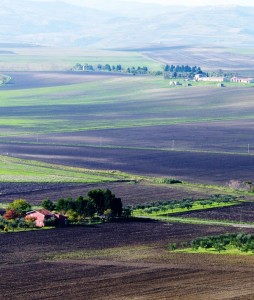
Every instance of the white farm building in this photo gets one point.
(200, 77)
(242, 80)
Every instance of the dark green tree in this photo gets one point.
(166, 68)
(104, 200)
(48, 204)
(85, 207)
(63, 205)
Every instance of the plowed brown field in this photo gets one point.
(130, 193)
(119, 261)
(239, 213)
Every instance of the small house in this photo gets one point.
(44, 216)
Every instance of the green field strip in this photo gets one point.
(111, 103)
(58, 59)
(18, 170)
(61, 126)
(228, 251)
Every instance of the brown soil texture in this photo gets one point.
(239, 213)
(220, 58)
(130, 193)
(27, 80)
(228, 136)
(191, 166)
(151, 272)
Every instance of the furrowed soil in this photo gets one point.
(206, 57)
(130, 193)
(119, 261)
(27, 80)
(238, 214)
(200, 167)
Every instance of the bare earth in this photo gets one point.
(27, 80)
(119, 261)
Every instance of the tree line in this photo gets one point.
(99, 203)
(240, 241)
(168, 71)
(187, 203)
(181, 71)
(111, 68)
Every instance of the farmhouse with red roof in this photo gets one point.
(41, 217)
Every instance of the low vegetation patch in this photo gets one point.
(230, 243)
(156, 209)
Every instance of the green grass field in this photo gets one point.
(20, 170)
(228, 251)
(117, 103)
(198, 221)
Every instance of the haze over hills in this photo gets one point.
(124, 25)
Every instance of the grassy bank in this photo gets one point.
(20, 170)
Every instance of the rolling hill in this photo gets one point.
(125, 25)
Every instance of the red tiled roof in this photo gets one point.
(42, 211)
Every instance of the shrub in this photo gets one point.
(20, 206)
(172, 246)
(170, 181)
(11, 214)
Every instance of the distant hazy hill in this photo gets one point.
(125, 25)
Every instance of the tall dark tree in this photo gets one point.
(48, 204)
(116, 206)
(105, 199)
(63, 205)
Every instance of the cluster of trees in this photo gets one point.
(181, 71)
(98, 203)
(222, 73)
(14, 216)
(241, 241)
(111, 68)
(169, 71)
(162, 206)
